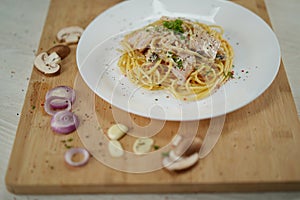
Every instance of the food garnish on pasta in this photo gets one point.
(190, 59)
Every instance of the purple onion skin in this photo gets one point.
(70, 92)
(71, 152)
(62, 104)
(65, 129)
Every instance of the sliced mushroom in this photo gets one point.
(173, 156)
(48, 64)
(180, 164)
(184, 155)
(186, 149)
(176, 140)
(61, 50)
(53, 59)
(70, 35)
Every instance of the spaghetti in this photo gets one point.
(190, 59)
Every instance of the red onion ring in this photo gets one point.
(64, 122)
(71, 152)
(59, 103)
(50, 110)
(61, 91)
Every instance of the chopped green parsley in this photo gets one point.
(179, 64)
(229, 74)
(68, 146)
(178, 61)
(174, 25)
(165, 154)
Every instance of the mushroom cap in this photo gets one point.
(188, 146)
(61, 50)
(42, 66)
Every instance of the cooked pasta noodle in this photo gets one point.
(189, 59)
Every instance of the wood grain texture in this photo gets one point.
(257, 151)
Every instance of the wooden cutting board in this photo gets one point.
(259, 148)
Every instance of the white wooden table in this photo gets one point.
(21, 26)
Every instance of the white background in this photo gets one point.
(21, 27)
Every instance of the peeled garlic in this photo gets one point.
(117, 131)
(115, 148)
(142, 145)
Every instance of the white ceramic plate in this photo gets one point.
(257, 57)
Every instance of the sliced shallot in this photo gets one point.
(50, 110)
(71, 152)
(64, 122)
(61, 91)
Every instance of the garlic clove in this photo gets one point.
(116, 131)
(115, 148)
(142, 145)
